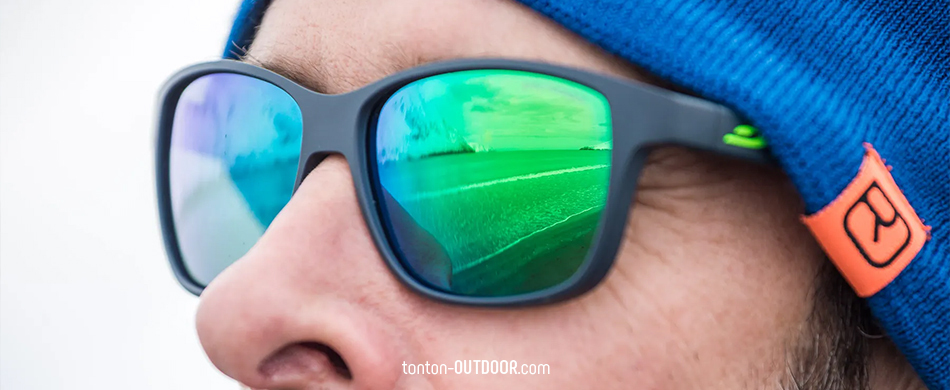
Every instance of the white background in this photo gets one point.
(87, 300)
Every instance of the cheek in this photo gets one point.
(713, 287)
(580, 339)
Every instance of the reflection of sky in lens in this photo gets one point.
(235, 145)
(237, 114)
(494, 110)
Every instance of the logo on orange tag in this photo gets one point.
(870, 232)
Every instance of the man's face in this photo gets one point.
(711, 288)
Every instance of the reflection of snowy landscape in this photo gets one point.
(420, 135)
(478, 111)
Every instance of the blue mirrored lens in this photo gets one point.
(235, 144)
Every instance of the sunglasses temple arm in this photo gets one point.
(704, 125)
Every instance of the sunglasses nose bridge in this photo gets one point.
(336, 124)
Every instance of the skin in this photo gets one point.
(712, 288)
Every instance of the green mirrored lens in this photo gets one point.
(492, 182)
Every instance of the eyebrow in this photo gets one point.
(310, 72)
(294, 70)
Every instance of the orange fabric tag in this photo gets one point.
(870, 232)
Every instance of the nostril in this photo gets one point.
(335, 359)
(309, 361)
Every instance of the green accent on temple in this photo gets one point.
(745, 136)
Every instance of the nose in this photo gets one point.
(301, 309)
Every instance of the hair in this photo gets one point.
(833, 351)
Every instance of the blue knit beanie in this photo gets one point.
(832, 84)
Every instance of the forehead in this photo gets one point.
(335, 46)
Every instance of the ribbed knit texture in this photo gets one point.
(245, 27)
(819, 78)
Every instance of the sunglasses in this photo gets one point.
(482, 182)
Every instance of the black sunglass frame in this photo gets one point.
(642, 116)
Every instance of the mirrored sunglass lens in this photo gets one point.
(235, 144)
(492, 182)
